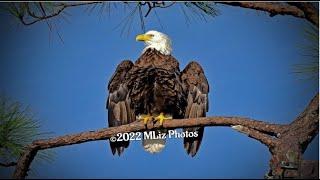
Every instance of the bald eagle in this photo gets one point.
(154, 89)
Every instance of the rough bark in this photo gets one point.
(310, 12)
(299, 10)
(286, 161)
(309, 169)
(286, 143)
(25, 161)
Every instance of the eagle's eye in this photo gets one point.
(151, 35)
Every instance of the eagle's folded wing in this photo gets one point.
(118, 103)
(197, 89)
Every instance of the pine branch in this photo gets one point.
(62, 7)
(299, 10)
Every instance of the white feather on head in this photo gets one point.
(156, 40)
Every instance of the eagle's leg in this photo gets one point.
(161, 118)
(146, 118)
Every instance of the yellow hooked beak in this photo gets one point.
(143, 37)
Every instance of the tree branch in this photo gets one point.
(24, 162)
(45, 17)
(310, 12)
(287, 161)
(259, 130)
(104, 134)
(309, 169)
(8, 164)
(263, 138)
(300, 10)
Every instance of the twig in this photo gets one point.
(149, 9)
(155, 5)
(62, 8)
(8, 164)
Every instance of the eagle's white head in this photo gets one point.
(156, 40)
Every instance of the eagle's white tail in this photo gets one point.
(153, 145)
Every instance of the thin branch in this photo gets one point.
(44, 14)
(62, 8)
(42, 8)
(141, 20)
(154, 5)
(8, 164)
(149, 9)
(263, 138)
(166, 6)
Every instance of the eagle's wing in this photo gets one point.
(118, 103)
(197, 89)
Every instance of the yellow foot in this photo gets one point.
(145, 117)
(161, 118)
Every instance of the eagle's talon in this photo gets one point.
(146, 118)
(161, 118)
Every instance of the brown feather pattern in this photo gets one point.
(197, 89)
(155, 84)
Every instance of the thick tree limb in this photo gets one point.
(309, 169)
(27, 157)
(310, 12)
(106, 133)
(299, 10)
(284, 147)
(286, 161)
(25, 161)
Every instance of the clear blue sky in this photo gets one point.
(247, 57)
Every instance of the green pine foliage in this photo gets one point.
(309, 69)
(18, 128)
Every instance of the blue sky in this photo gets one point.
(247, 56)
